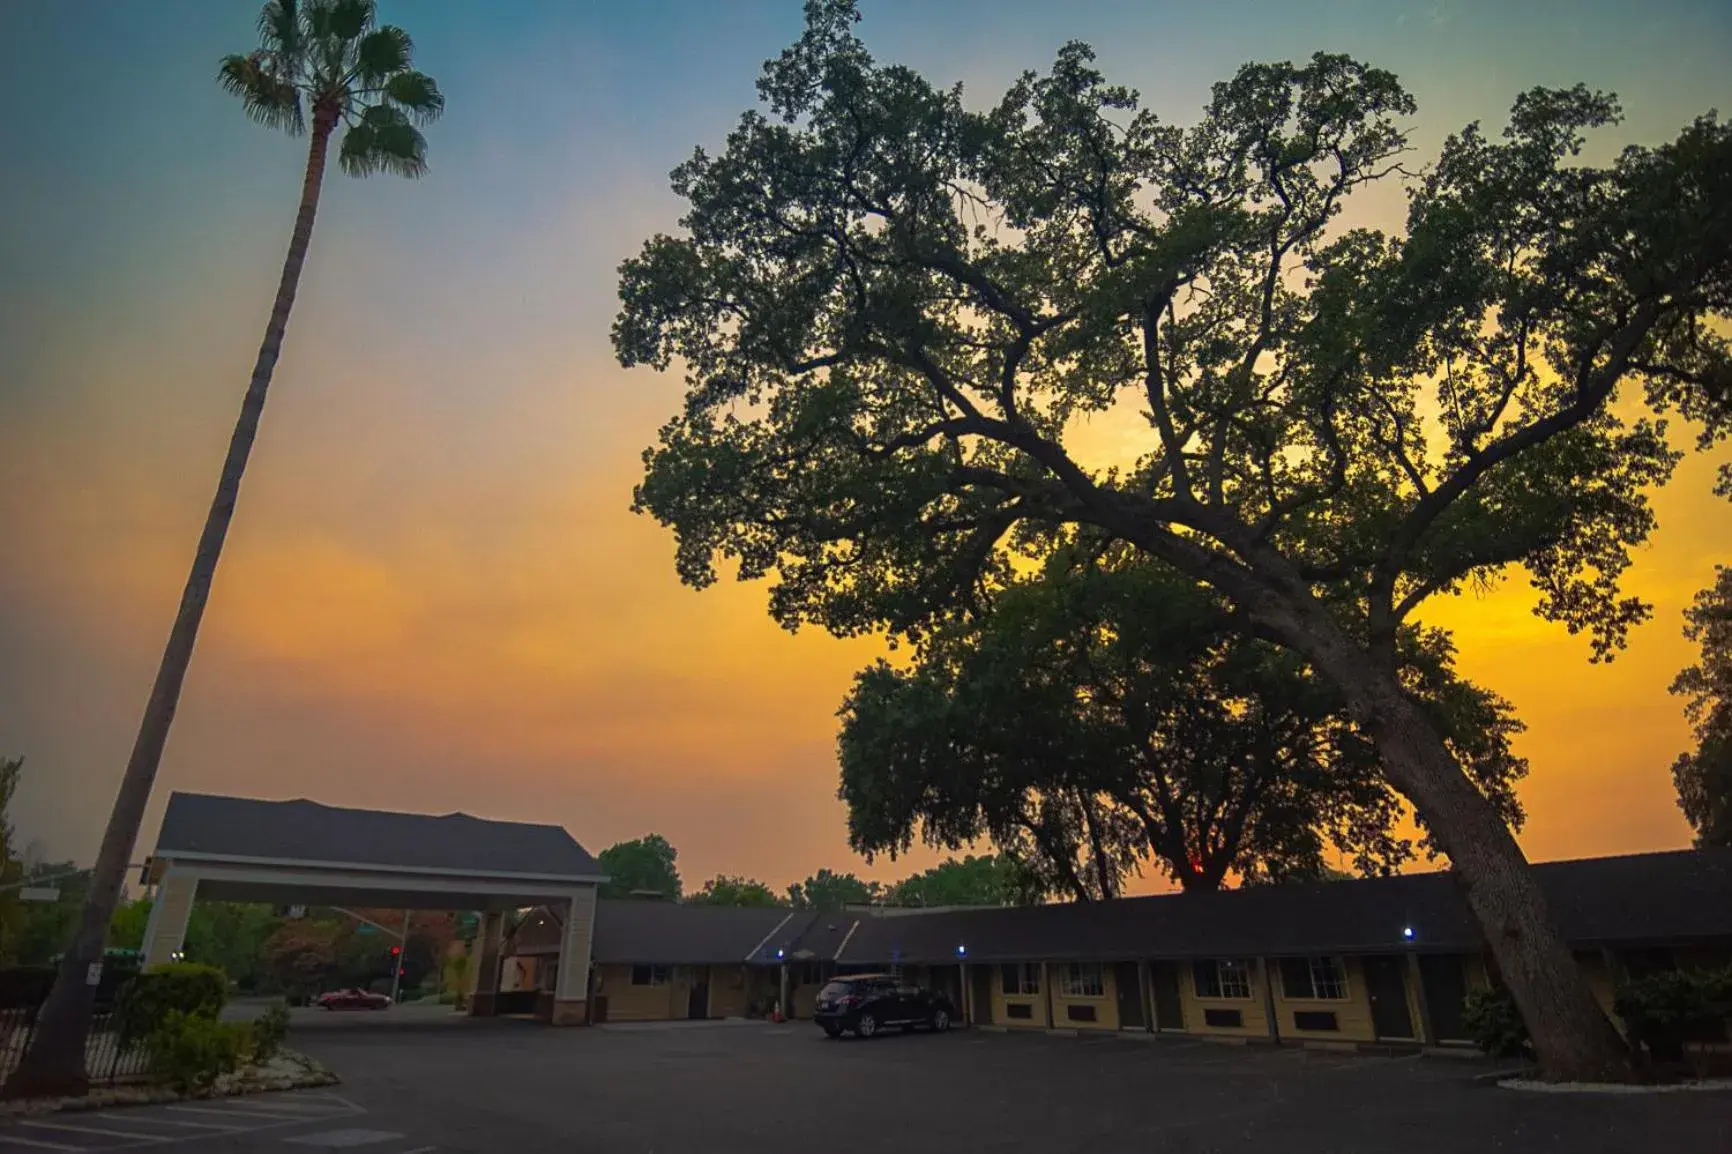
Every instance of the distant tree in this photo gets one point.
(231, 936)
(723, 890)
(13, 909)
(826, 890)
(641, 866)
(1704, 775)
(320, 66)
(984, 880)
(1104, 712)
(126, 931)
(300, 955)
(895, 310)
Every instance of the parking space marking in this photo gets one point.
(16, 1140)
(106, 1133)
(344, 1138)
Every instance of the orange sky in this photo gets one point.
(434, 597)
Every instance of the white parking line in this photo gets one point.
(17, 1140)
(241, 1115)
(133, 1134)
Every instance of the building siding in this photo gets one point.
(729, 991)
(1352, 1015)
(1106, 1006)
(1001, 1003)
(1254, 1020)
(629, 1003)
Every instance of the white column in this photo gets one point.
(571, 987)
(165, 931)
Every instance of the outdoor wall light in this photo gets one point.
(961, 951)
(778, 955)
(1407, 932)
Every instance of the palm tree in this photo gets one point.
(332, 61)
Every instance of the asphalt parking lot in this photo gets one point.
(420, 1084)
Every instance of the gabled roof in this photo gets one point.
(305, 832)
(630, 932)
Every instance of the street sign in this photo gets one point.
(39, 894)
(93, 976)
(366, 928)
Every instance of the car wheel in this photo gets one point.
(940, 1020)
(866, 1026)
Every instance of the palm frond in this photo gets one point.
(280, 29)
(416, 94)
(348, 19)
(383, 140)
(267, 97)
(382, 53)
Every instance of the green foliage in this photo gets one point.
(126, 929)
(643, 865)
(1704, 775)
(1495, 1023)
(269, 1030)
(332, 60)
(1104, 712)
(983, 880)
(190, 1052)
(184, 988)
(828, 890)
(723, 890)
(1665, 1010)
(14, 911)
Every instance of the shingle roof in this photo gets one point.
(306, 831)
(1660, 897)
(666, 932)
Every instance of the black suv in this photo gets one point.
(866, 1003)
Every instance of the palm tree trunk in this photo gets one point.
(54, 1063)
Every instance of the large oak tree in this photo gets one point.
(891, 309)
(1107, 713)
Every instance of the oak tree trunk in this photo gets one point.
(1572, 1037)
(54, 1063)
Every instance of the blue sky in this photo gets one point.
(433, 580)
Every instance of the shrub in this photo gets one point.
(1495, 1024)
(269, 1030)
(1663, 1011)
(191, 1051)
(182, 987)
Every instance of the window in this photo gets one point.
(1021, 979)
(1021, 1011)
(1314, 979)
(1223, 1019)
(1083, 980)
(1081, 1014)
(1223, 978)
(650, 975)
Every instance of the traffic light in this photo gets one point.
(395, 950)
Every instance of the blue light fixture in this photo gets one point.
(1407, 932)
(778, 955)
(961, 951)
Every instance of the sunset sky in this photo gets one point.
(435, 597)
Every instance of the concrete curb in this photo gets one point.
(1533, 1086)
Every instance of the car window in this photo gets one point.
(838, 989)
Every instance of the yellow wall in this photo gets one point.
(629, 1003)
(1106, 1006)
(1352, 1015)
(1600, 981)
(1036, 1002)
(728, 994)
(1256, 1021)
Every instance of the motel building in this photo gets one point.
(1385, 961)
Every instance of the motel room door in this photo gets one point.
(1164, 981)
(1127, 976)
(981, 1003)
(698, 1002)
(1386, 982)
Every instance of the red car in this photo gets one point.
(352, 999)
